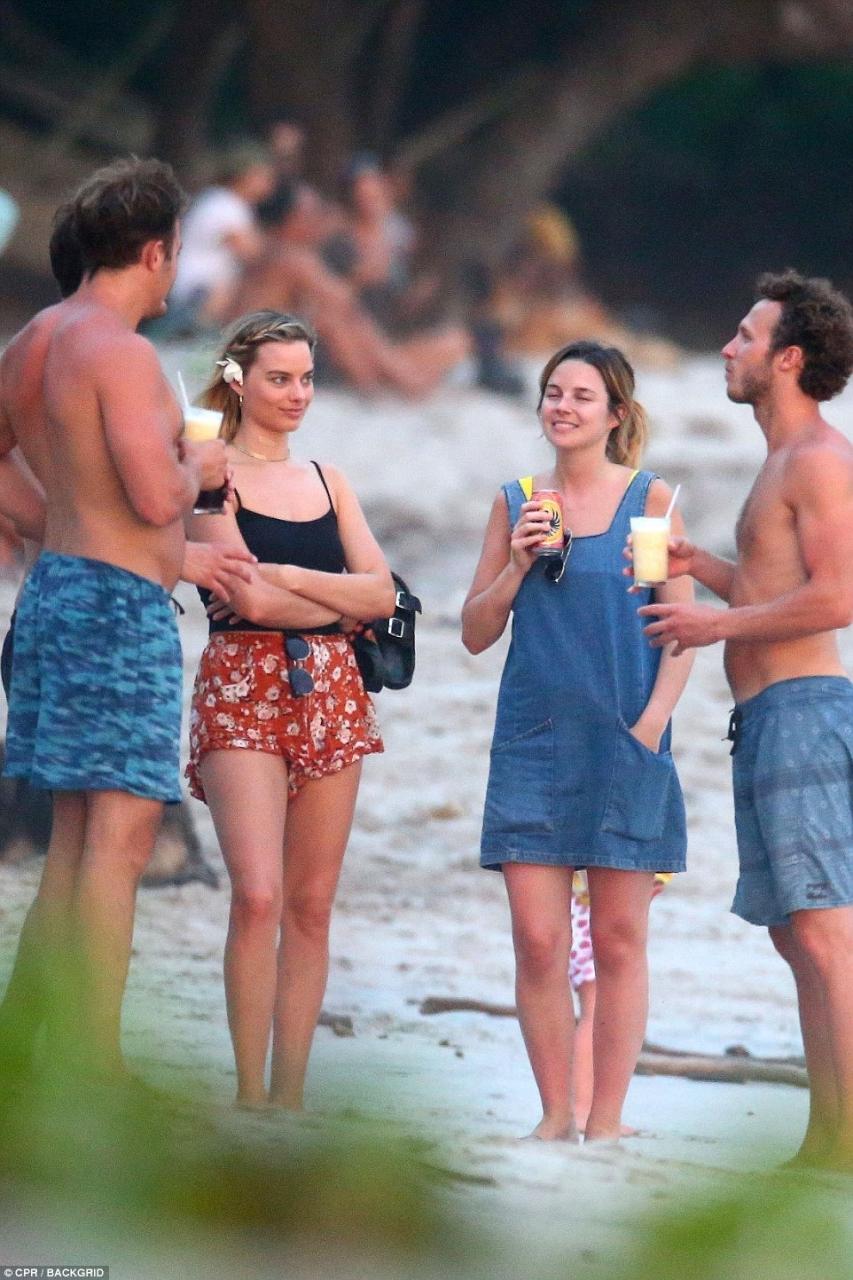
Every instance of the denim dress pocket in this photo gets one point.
(636, 803)
(520, 793)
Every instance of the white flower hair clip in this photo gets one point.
(231, 371)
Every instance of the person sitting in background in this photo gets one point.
(220, 237)
(374, 250)
(539, 296)
(286, 146)
(377, 253)
(292, 275)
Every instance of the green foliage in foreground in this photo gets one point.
(781, 1226)
(127, 1158)
(144, 1166)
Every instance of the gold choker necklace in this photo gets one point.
(259, 457)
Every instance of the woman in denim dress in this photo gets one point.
(581, 772)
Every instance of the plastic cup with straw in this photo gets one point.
(650, 545)
(201, 425)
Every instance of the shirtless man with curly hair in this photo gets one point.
(788, 593)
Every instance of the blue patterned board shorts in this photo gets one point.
(793, 787)
(95, 703)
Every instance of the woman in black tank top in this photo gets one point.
(280, 720)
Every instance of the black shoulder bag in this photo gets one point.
(385, 648)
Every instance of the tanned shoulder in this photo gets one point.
(820, 468)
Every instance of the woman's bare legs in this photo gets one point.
(318, 828)
(247, 795)
(582, 1064)
(619, 917)
(540, 904)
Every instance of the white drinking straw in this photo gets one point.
(672, 500)
(186, 398)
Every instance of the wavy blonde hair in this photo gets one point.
(245, 337)
(626, 442)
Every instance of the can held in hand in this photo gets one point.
(552, 543)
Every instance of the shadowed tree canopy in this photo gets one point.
(490, 104)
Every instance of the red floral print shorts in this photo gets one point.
(242, 701)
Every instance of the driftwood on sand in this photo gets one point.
(736, 1066)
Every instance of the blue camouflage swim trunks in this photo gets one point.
(793, 786)
(95, 703)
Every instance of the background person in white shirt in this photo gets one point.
(220, 236)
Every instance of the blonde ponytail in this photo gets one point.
(627, 442)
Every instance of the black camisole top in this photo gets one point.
(311, 544)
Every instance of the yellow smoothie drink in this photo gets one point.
(200, 424)
(649, 543)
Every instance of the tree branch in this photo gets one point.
(457, 125)
(396, 43)
(629, 51)
(353, 27)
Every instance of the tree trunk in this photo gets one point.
(206, 37)
(395, 44)
(301, 67)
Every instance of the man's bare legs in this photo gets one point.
(818, 944)
(540, 904)
(318, 828)
(247, 795)
(73, 958)
(619, 914)
(814, 1024)
(119, 838)
(42, 956)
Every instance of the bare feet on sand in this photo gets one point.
(812, 1158)
(625, 1131)
(819, 1149)
(251, 1104)
(281, 1103)
(554, 1129)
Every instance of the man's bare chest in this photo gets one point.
(765, 525)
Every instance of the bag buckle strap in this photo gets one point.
(396, 628)
(406, 601)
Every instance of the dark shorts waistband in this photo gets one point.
(784, 694)
(800, 689)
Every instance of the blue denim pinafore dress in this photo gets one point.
(569, 785)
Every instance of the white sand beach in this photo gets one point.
(417, 917)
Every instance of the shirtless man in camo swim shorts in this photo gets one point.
(789, 591)
(95, 701)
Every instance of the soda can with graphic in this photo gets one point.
(552, 543)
